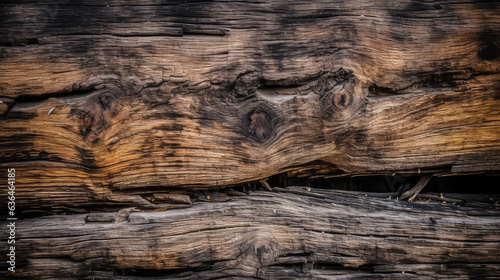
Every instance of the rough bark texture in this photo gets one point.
(118, 104)
(290, 234)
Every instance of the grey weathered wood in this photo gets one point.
(288, 234)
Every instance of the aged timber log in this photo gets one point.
(108, 96)
(290, 234)
(115, 104)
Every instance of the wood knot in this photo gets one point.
(489, 48)
(133, 85)
(259, 125)
(338, 98)
(97, 111)
(342, 99)
(107, 100)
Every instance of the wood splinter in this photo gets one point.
(266, 185)
(123, 214)
(412, 193)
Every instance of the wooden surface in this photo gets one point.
(116, 110)
(100, 97)
(289, 234)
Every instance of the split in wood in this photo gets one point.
(412, 194)
(266, 185)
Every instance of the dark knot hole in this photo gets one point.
(260, 125)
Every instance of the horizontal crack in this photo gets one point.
(444, 79)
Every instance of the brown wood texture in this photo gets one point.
(132, 107)
(105, 96)
(289, 234)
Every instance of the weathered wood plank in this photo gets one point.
(114, 105)
(291, 234)
(199, 94)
